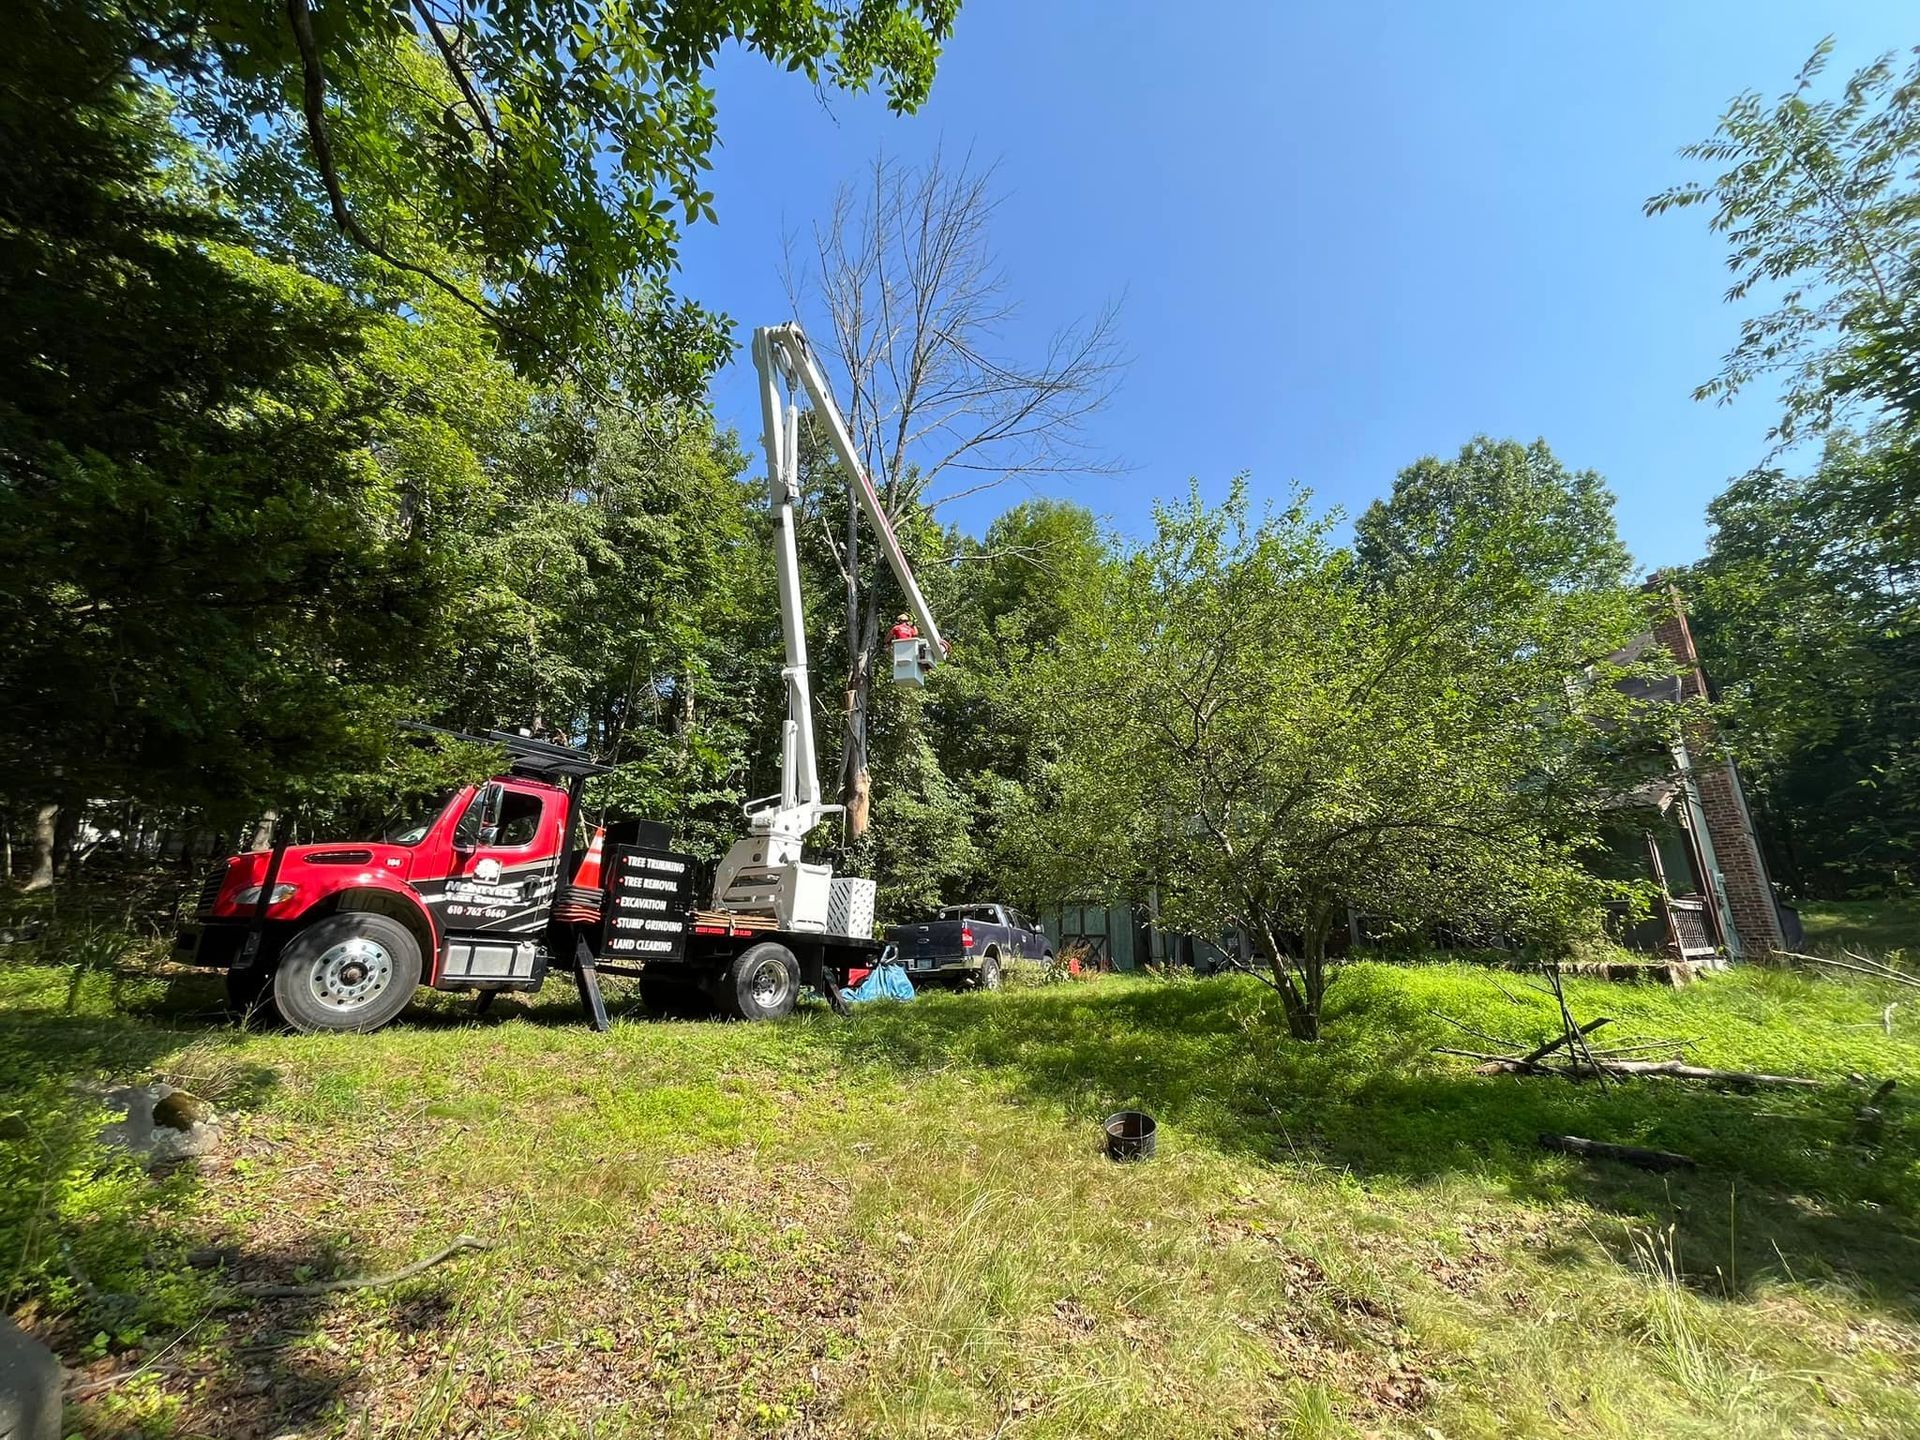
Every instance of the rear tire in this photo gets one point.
(762, 983)
(351, 972)
(988, 975)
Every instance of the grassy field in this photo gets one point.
(901, 1225)
(1870, 926)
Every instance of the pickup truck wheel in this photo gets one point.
(988, 976)
(349, 972)
(762, 983)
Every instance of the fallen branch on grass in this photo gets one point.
(1679, 1069)
(1859, 965)
(1684, 1071)
(1640, 1047)
(1497, 1064)
(1630, 1154)
(1541, 1051)
(269, 1291)
(82, 1389)
(1477, 1034)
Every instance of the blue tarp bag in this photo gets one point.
(883, 982)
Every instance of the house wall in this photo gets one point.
(1736, 850)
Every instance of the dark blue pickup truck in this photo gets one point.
(969, 944)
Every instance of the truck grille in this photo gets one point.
(210, 891)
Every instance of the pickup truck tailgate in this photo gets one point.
(918, 951)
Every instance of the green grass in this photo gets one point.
(901, 1225)
(1872, 927)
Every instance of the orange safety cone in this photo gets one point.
(587, 877)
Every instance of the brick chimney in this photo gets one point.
(1741, 870)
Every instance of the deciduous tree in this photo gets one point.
(531, 161)
(915, 310)
(1243, 723)
(1818, 202)
(1569, 533)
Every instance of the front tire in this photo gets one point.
(351, 972)
(762, 983)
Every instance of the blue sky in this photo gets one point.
(1344, 235)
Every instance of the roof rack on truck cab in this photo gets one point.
(545, 758)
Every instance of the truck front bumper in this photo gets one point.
(216, 944)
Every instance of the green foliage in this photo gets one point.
(1805, 615)
(1805, 603)
(1005, 604)
(1241, 721)
(539, 159)
(1817, 200)
(616, 596)
(1567, 527)
(253, 517)
(924, 838)
(211, 580)
(1888, 928)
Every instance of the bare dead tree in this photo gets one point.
(916, 311)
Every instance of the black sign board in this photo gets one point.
(649, 904)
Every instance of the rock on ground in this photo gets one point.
(163, 1124)
(30, 1380)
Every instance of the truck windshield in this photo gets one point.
(409, 824)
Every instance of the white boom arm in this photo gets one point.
(787, 347)
(764, 864)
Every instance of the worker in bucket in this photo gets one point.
(904, 628)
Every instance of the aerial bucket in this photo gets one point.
(910, 661)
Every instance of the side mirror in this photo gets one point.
(482, 820)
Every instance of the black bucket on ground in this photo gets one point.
(1130, 1135)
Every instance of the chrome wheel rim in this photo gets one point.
(351, 975)
(769, 984)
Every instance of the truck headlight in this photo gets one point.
(251, 895)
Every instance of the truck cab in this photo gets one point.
(456, 894)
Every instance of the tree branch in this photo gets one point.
(459, 72)
(314, 105)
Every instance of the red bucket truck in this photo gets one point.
(468, 893)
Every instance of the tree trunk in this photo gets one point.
(1302, 1007)
(46, 828)
(66, 842)
(262, 838)
(1313, 976)
(856, 782)
(1303, 1019)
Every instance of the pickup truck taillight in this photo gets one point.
(966, 937)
